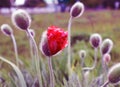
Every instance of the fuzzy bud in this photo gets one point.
(32, 32)
(77, 10)
(114, 74)
(106, 46)
(21, 19)
(82, 53)
(6, 29)
(95, 40)
(106, 58)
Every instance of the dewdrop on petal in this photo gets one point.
(95, 40)
(82, 53)
(106, 46)
(6, 29)
(77, 10)
(106, 58)
(21, 19)
(114, 74)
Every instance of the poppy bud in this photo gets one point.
(21, 19)
(114, 74)
(106, 46)
(82, 53)
(32, 32)
(6, 29)
(53, 41)
(77, 10)
(95, 40)
(106, 58)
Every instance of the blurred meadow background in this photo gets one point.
(100, 16)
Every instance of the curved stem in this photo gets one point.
(51, 72)
(32, 53)
(105, 84)
(69, 45)
(37, 61)
(17, 70)
(95, 61)
(15, 49)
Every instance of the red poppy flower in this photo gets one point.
(54, 41)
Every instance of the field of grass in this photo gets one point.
(104, 22)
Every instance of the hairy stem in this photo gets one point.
(51, 72)
(82, 72)
(104, 69)
(17, 70)
(95, 62)
(37, 61)
(69, 45)
(15, 49)
(32, 53)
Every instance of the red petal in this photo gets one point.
(57, 39)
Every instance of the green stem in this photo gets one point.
(37, 61)
(51, 72)
(69, 45)
(15, 49)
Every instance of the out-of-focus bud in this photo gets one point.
(32, 32)
(21, 19)
(106, 58)
(95, 40)
(82, 53)
(114, 74)
(77, 10)
(106, 46)
(6, 29)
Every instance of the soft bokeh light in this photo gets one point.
(19, 2)
(49, 1)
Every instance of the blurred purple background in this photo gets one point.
(45, 6)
